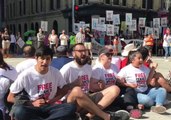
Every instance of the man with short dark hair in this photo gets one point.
(42, 83)
(29, 52)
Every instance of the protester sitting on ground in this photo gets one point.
(138, 76)
(105, 74)
(158, 78)
(44, 85)
(7, 75)
(62, 57)
(78, 72)
(29, 52)
(125, 52)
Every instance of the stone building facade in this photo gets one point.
(23, 15)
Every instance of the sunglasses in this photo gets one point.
(109, 54)
(81, 50)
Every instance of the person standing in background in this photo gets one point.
(53, 40)
(115, 45)
(72, 39)
(40, 38)
(149, 43)
(166, 43)
(13, 44)
(87, 41)
(64, 39)
(5, 42)
(80, 36)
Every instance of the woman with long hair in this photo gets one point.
(7, 75)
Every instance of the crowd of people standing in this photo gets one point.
(45, 87)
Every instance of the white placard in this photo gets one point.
(133, 27)
(156, 33)
(128, 18)
(44, 25)
(164, 21)
(110, 30)
(101, 20)
(94, 22)
(101, 27)
(116, 30)
(82, 24)
(20, 43)
(116, 19)
(148, 31)
(141, 22)
(76, 27)
(109, 15)
(156, 22)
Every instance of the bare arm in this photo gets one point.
(11, 97)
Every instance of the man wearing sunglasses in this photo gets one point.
(104, 75)
(78, 73)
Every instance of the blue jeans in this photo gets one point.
(47, 112)
(154, 96)
(167, 51)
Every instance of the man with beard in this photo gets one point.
(78, 73)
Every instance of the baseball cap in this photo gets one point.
(105, 50)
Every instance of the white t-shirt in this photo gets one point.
(80, 37)
(53, 39)
(64, 39)
(136, 75)
(166, 40)
(20, 67)
(108, 75)
(38, 85)
(4, 85)
(71, 72)
(11, 74)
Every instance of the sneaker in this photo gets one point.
(136, 113)
(120, 115)
(158, 109)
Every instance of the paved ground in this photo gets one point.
(163, 67)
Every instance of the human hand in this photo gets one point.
(39, 102)
(154, 65)
(101, 84)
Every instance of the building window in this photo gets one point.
(86, 1)
(37, 27)
(124, 2)
(55, 26)
(107, 1)
(41, 5)
(58, 2)
(144, 3)
(24, 7)
(14, 31)
(32, 26)
(116, 2)
(32, 6)
(80, 2)
(51, 5)
(150, 4)
(11, 10)
(37, 7)
(25, 27)
(20, 8)
(19, 28)
(14, 9)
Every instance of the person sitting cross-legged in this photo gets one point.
(78, 73)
